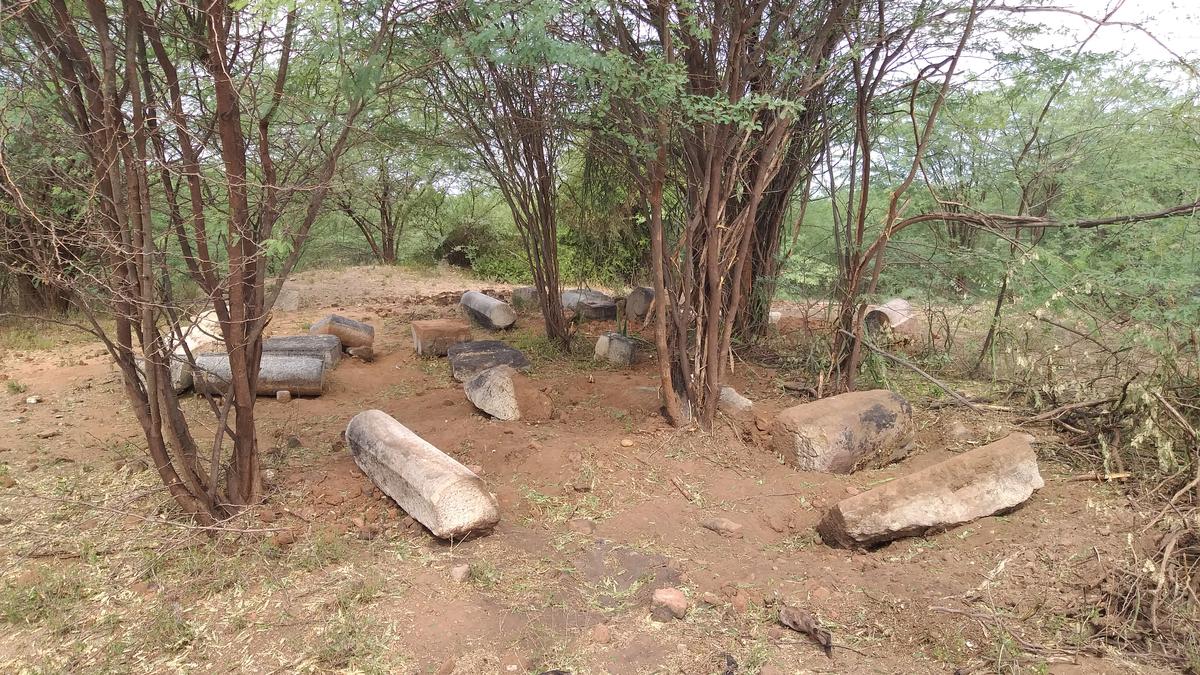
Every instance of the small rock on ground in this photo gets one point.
(667, 604)
(460, 573)
(364, 353)
(724, 527)
(582, 525)
(732, 403)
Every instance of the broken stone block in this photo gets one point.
(615, 348)
(845, 433)
(328, 348)
(505, 394)
(352, 333)
(733, 403)
(181, 372)
(526, 299)
(467, 359)
(638, 303)
(488, 311)
(300, 375)
(434, 337)
(428, 484)
(984, 481)
(589, 304)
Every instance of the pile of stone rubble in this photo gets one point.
(840, 434)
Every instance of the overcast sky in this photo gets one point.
(1176, 23)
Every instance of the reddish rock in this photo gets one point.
(667, 604)
(724, 527)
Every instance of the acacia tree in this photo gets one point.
(184, 112)
(874, 65)
(389, 181)
(508, 96)
(716, 114)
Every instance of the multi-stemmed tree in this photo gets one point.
(210, 133)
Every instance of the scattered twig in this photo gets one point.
(678, 486)
(1098, 477)
(1050, 414)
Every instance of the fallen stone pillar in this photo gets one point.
(890, 314)
(300, 375)
(352, 333)
(845, 433)
(200, 333)
(181, 373)
(328, 348)
(433, 337)
(428, 484)
(895, 322)
(467, 359)
(488, 311)
(978, 483)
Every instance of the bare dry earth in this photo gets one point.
(97, 573)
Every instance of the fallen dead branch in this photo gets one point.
(1052, 414)
(916, 369)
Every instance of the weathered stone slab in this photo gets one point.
(328, 348)
(433, 488)
(488, 311)
(468, 359)
(638, 302)
(300, 375)
(526, 299)
(984, 481)
(590, 304)
(433, 337)
(615, 348)
(352, 333)
(733, 403)
(181, 373)
(505, 394)
(773, 317)
(287, 301)
(845, 433)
